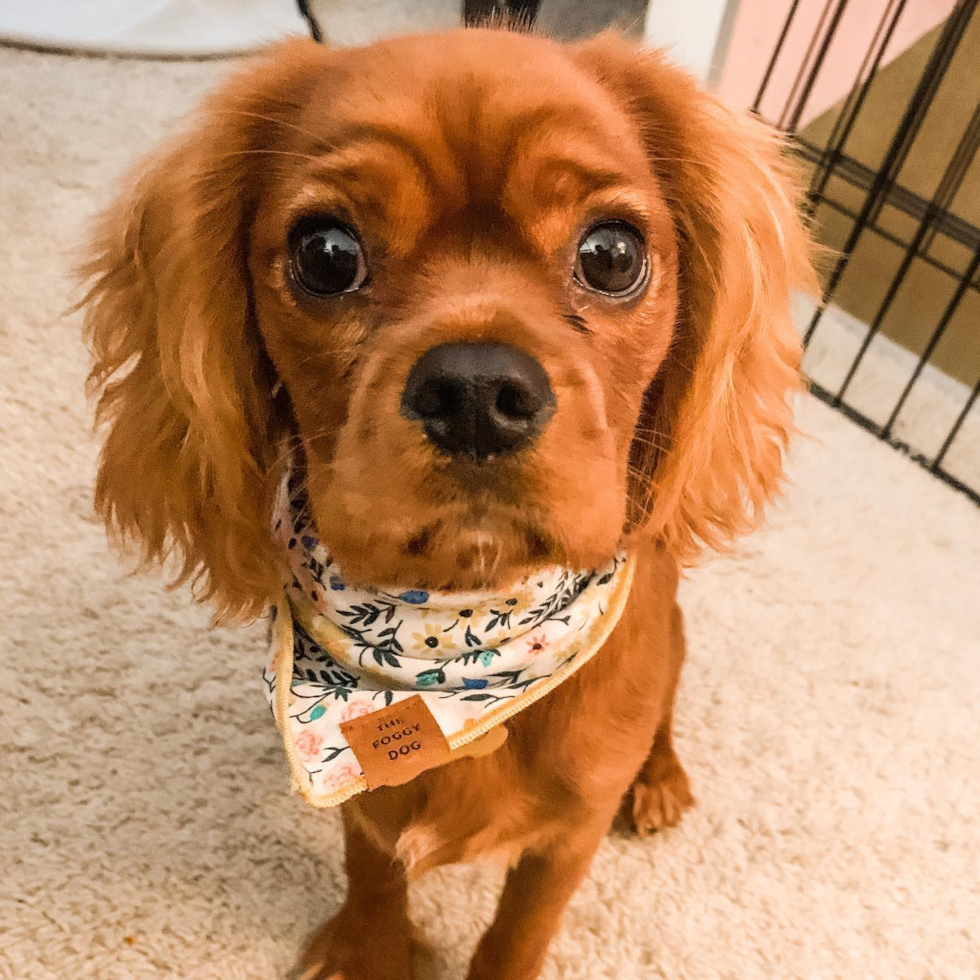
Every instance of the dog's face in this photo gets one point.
(504, 303)
(465, 278)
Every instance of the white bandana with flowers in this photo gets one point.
(475, 658)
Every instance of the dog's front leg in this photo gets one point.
(370, 938)
(534, 897)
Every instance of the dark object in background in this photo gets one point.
(311, 21)
(561, 18)
(478, 11)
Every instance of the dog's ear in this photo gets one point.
(184, 385)
(709, 450)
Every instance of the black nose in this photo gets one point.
(478, 400)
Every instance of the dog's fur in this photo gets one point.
(470, 163)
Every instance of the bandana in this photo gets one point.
(370, 687)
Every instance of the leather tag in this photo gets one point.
(397, 743)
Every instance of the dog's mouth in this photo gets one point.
(465, 549)
(450, 496)
(459, 525)
(447, 524)
(483, 549)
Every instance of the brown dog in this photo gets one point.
(584, 207)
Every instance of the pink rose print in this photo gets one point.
(308, 744)
(356, 709)
(339, 776)
(536, 645)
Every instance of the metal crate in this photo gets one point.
(861, 194)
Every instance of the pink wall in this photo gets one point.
(757, 28)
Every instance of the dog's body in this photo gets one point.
(623, 250)
(541, 803)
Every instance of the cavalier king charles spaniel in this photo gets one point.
(503, 304)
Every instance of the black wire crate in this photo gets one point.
(894, 194)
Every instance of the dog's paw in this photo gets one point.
(659, 800)
(345, 950)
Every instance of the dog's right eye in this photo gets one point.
(611, 259)
(327, 258)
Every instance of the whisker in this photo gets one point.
(292, 442)
(319, 355)
(269, 152)
(653, 440)
(704, 164)
(264, 118)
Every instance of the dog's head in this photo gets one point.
(505, 303)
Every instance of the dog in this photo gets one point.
(266, 290)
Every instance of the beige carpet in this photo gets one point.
(830, 714)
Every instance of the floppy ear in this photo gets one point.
(708, 454)
(188, 462)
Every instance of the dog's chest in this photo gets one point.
(567, 761)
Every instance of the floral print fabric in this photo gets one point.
(474, 658)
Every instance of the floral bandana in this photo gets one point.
(475, 659)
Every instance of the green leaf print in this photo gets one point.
(429, 677)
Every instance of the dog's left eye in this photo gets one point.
(611, 259)
(327, 258)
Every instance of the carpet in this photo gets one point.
(828, 714)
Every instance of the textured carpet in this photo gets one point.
(828, 714)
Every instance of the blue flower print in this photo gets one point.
(474, 683)
(336, 585)
(414, 597)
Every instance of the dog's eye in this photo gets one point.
(327, 258)
(611, 258)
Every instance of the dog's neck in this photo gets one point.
(459, 663)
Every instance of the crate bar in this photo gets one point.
(937, 334)
(899, 243)
(794, 120)
(781, 122)
(901, 143)
(869, 425)
(857, 175)
(957, 425)
(953, 176)
(844, 123)
(767, 75)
